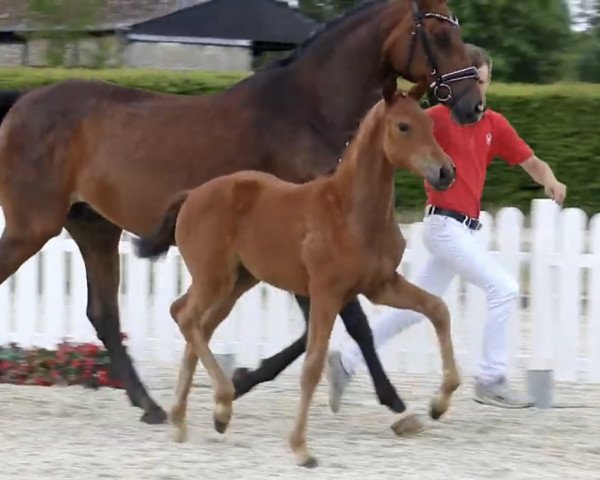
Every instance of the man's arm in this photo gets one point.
(541, 173)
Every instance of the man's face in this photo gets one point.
(484, 79)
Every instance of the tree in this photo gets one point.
(323, 10)
(61, 23)
(588, 66)
(526, 39)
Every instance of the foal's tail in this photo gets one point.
(157, 242)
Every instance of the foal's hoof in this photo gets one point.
(408, 424)
(221, 417)
(310, 462)
(154, 416)
(180, 435)
(220, 426)
(240, 381)
(437, 408)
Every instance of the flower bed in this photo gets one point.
(71, 363)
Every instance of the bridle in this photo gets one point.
(441, 85)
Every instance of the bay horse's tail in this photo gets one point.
(157, 242)
(7, 99)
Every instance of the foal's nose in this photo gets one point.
(442, 178)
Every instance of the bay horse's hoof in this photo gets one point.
(240, 382)
(155, 416)
(310, 462)
(408, 424)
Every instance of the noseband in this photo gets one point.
(442, 91)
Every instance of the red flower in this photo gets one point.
(103, 377)
(124, 336)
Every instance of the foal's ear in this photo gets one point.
(388, 91)
(418, 90)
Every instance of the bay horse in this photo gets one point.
(329, 239)
(96, 158)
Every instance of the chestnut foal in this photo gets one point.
(330, 239)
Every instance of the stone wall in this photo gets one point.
(136, 54)
(160, 55)
(187, 56)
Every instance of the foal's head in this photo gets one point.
(408, 140)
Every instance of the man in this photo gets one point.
(450, 235)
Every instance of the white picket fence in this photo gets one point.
(557, 258)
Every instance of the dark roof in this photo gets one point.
(115, 14)
(254, 20)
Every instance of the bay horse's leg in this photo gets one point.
(323, 311)
(269, 368)
(27, 229)
(358, 328)
(402, 294)
(198, 326)
(98, 242)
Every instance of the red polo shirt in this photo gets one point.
(472, 148)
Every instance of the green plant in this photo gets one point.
(559, 121)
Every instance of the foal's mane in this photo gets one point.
(369, 127)
(300, 50)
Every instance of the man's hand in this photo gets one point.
(541, 173)
(556, 191)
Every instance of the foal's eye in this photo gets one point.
(403, 127)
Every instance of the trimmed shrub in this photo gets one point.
(559, 122)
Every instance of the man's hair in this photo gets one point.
(478, 56)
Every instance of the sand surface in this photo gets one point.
(70, 432)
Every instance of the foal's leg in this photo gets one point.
(323, 311)
(98, 242)
(400, 293)
(198, 328)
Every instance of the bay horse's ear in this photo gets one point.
(388, 90)
(418, 90)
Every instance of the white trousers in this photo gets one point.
(454, 249)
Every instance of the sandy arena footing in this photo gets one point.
(74, 433)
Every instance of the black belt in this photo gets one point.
(469, 222)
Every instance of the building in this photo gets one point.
(165, 34)
(218, 35)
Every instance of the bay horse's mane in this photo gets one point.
(317, 34)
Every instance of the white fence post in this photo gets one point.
(543, 219)
(26, 302)
(81, 328)
(53, 294)
(267, 319)
(248, 315)
(594, 302)
(508, 235)
(572, 228)
(165, 292)
(136, 314)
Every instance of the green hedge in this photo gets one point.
(559, 121)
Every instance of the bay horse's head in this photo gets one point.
(408, 140)
(435, 57)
